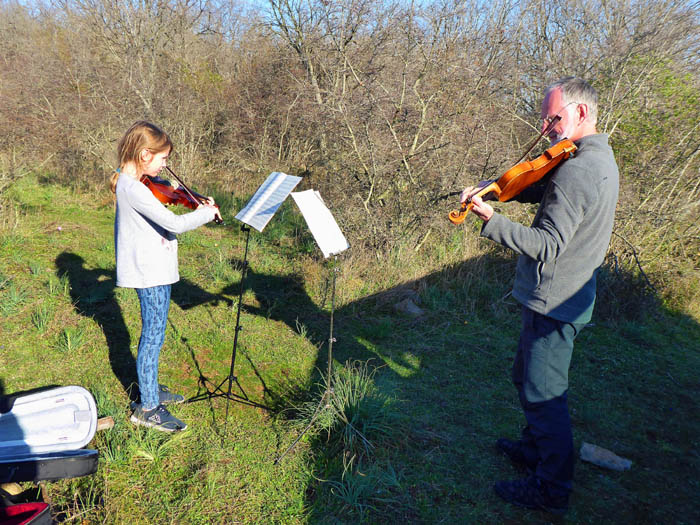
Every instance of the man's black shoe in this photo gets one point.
(513, 451)
(532, 493)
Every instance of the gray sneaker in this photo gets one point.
(158, 418)
(166, 397)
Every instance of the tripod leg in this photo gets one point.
(321, 403)
(329, 388)
(219, 390)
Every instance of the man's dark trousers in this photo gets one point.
(540, 373)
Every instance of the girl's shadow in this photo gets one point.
(93, 296)
(92, 293)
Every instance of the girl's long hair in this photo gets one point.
(141, 135)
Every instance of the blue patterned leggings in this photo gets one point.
(155, 303)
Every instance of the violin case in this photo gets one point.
(26, 513)
(42, 435)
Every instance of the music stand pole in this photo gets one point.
(231, 378)
(324, 402)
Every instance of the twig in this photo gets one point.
(671, 378)
(636, 258)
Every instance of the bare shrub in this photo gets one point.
(387, 108)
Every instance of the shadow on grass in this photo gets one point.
(449, 372)
(633, 390)
(92, 294)
(421, 362)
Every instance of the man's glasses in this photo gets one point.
(551, 121)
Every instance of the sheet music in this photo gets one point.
(321, 222)
(270, 196)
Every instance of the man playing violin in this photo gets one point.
(555, 282)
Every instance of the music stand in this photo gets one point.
(332, 242)
(257, 213)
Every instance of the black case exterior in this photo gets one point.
(49, 467)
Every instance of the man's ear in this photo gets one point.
(582, 112)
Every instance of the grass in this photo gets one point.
(14, 297)
(41, 317)
(70, 340)
(417, 403)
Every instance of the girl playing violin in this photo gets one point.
(146, 253)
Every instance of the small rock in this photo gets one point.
(408, 307)
(603, 457)
(105, 423)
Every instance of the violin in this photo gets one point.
(182, 195)
(519, 177)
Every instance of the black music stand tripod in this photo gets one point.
(218, 390)
(257, 213)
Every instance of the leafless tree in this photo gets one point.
(388, 108)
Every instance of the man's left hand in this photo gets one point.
(481, 209)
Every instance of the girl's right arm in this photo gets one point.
(211, 202)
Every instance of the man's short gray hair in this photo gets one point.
(577, 90)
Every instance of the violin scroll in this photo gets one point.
(458, 216)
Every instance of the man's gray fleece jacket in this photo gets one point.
(567, 241)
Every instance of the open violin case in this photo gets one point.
(42, 435)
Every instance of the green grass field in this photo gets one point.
(420, 401)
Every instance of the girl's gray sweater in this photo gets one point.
(144, 235)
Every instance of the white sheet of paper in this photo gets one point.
(321, 222)
(269, 197)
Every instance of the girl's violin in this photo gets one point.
(182, 195)
(519, 177)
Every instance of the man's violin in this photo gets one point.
(519, 177)
(170, 195)
(522, 175)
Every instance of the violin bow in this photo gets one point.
(546, 130)
(184, 186)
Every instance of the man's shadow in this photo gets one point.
(283, 298)
(92, 293)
